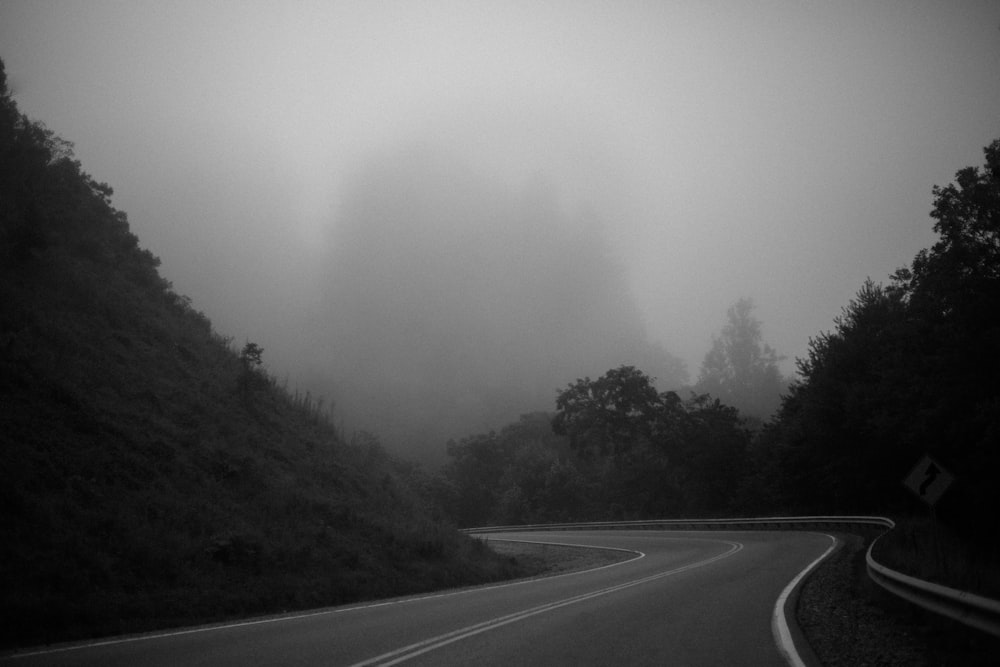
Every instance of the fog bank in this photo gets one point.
(451, 305)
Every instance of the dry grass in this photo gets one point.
(547, 559)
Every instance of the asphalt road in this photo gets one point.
(691, 598)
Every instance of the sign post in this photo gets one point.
(929, 480)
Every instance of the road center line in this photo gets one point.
(419, 648)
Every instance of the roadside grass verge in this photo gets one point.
(536, 560)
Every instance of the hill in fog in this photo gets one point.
(451, 305)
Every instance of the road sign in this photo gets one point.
(929, 480)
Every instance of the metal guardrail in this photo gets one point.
(972, 610)
(753, 523)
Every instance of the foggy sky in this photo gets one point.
(783, 151)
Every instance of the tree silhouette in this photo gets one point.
(740, 369)
(910, 368)
(609, 414)
(251, 356)
(652, 454)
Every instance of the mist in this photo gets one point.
(451, 305)
(436, 214)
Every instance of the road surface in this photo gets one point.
(684, 598)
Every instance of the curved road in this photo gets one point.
(686, 598)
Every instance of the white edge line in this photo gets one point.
(339, 610)
(779, 623)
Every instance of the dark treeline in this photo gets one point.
(615, 449)
(910, 368)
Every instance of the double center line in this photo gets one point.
(419, 648)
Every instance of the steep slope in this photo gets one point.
(149, 475)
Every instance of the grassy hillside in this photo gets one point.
(148, 476)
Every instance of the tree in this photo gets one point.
(712, 449)
(740, 369)
(850, 424)
(653, 454)
(963, 266)
(953, 293)
(251, 358)
(524, 473)
(475, 469)
(608, 415)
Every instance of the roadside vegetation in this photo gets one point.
(552, 559)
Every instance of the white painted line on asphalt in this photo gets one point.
(779, 623)
(323, 612)
(419, 648)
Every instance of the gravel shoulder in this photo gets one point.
(849, 620)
